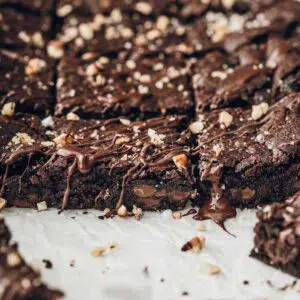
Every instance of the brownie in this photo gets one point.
(23, 30)
(277, 236)
(26, 82)
(250, 156)
(97, 164)
(255, 73)
(18, 280)
(37, 6)
(133, 84)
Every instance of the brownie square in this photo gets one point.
(256, 73)
(132, 84)
(23, 30)
(97, 164)
(26, 82)
(18, 280)
(277, 236)
(250, 156)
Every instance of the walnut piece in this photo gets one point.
(8, 109)
(195, 244)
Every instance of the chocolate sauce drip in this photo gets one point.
(218, 211)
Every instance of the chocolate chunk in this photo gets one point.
(251, 156)
(85, 164)
(133, 84)
(17, 279)
(26, 82)
(18, 29)
(277, 235)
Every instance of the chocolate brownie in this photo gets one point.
(38, 6)
(277, 236)
(23, 30)
(17, 279)
(97, 164)
(26, 82)
(132, 84)
(256, 73)
(250, 156)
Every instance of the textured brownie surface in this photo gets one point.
(26, 81)
(132, 84)
(256, 73)
(30, 5)
(277, 236)
(251, 156)
(79, 164)
(19, 29)
(17, 279)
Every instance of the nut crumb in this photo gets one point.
(225, 119)
(177, 215)
(100, 251)
(122, 211)
(200, 227)
(41, 206)
(196, 127)
(8, 109)
(195, 244)
(3, 203)
(13, 259)
(211, 269)
(137, 212)
(181, 162)
(72, 117)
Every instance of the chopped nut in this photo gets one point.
(3, 203)
(55, 49)
(228, 4)
(212, 269)
(195, 244)
(181, 161)
(22, 138)
(106, 211)
(225, 119)
(143, 8)
(64, 10)
(47, 122)
(156, 139)
(122, 140)
(100, 251)
(8, 109)
(34, 66)
(177, 215)
(92, 70)
(38, 40)
(48, 144)
(162, 23)
(86, 31)
(122, 211)
(259, 110)
(13, 259)
(41, 206)
(137, 212)
(200, 227)
(217, 149)
(196, 127)
(125, 122)
(62, 140)
(72, 117)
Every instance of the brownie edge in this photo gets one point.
(277, 236)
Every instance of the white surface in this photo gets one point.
(154, 241)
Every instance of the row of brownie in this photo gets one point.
(145, 68)
(247, 155)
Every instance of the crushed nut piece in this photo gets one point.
(259, 110)
(8, 109)
(212, 269)
(181, 162)
(34, 66)
(41, 206)
(143, 8)
(177, 215)
(195, 244)
(196, 127)
(137, 212)
(62, 140)
(3, 203)
(122, 211)
(200, 227)
(55, 49)
(13, 259)
(225, 119)
(72, 117)
(100, 251)
(156, 139)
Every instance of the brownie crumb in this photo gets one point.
(48, 264)
(146, 271)
(162, 280)
(72, 263)
(246, 282)
(184, 293)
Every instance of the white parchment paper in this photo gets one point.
(155, 242)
